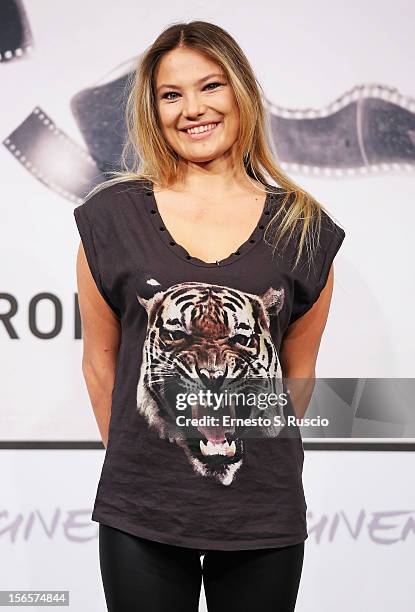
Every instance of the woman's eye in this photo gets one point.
(209, 84)
(164, 96)
(168, 93)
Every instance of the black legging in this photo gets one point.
(141, 575)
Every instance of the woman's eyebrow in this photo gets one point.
(214, 74)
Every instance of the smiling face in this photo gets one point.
(197, 92)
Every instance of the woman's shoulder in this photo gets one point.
(106, 197)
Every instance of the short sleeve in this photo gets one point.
(84, 221)
(309, 281)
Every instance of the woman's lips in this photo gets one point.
(201, 135)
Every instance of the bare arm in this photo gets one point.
(101, 334)
(300, 348)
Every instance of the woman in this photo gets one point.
(179, 290)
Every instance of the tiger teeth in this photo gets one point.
(217, 449)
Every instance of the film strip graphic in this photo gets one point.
(367, 130)
(16, 38)
(52, 157)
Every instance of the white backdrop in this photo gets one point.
(305, 55)
(358, 556)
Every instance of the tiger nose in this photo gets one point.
(211, 378)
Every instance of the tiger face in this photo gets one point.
(202, 336)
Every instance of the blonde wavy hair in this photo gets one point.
(152, 159)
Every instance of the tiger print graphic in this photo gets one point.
(203, 335)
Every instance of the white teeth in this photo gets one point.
(223, 448)
(202, 128)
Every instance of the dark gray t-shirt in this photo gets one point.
(185, 321)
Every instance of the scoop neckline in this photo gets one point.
(246, 247)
